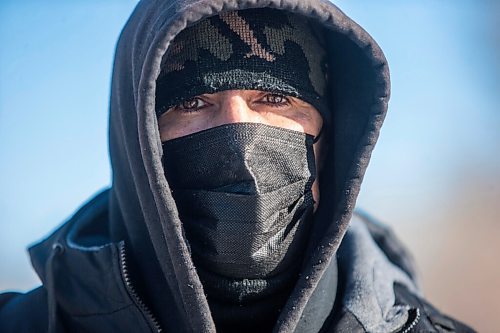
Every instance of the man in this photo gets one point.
(239, 136)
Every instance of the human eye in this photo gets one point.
(276, 100)
(191, 105)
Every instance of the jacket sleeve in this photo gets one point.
(24, 312)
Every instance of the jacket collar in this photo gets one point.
(81, 269)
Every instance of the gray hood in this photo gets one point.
(142, 211)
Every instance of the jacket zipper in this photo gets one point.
(148, 314)
(153, 322)
(414, 322)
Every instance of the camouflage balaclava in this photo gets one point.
(255, 49)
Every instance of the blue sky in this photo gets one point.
(55, 68)
(55, 65)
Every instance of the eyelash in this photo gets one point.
(181, 108)
(286, 100)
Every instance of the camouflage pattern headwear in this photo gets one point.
(256, 49)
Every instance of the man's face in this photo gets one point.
(238, 106)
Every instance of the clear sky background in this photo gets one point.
(434, 176)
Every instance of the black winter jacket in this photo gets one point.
(89, 288)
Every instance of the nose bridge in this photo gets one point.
(235, 109)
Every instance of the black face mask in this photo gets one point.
(244, 196)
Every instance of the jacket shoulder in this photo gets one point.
(424, 317)
(24, 312)
(371, 242)
(389, 243)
